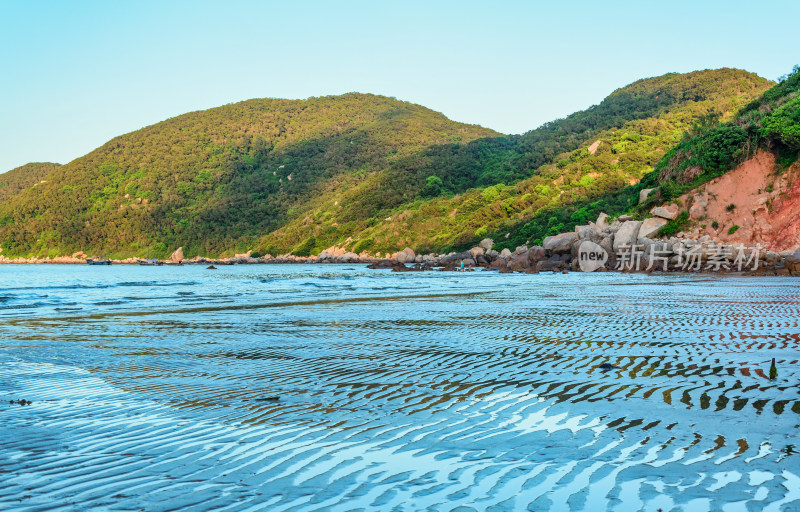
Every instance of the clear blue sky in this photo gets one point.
(77, 73)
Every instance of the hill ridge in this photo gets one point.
(216, 181)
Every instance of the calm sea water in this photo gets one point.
(340, 388)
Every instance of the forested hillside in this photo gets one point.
(213, 181)
(533, 185)
(710, 149)
(712, 146)
(16, 180)
(365, 172)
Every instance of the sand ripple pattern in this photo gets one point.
(336, 388)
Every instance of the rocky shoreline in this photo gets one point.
(628, 246)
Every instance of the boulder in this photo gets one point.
(476, 251)
(643, 194)
(625, 218)
(349, 257)
(602, 221)
(519, 262)
(589, 232)
(651, 227)
(505, 254)
(627, 234)
(325, 257)
(669, 211)
(553, 263)
(499, 264)
(792, 262)
(526, 260)
(486, 244)
(455, 259)
(406, 256)
(177, 255)
(772, 257)
(698, 208)
(560, 244)
(385, 264)
(608, 245)
(536, 253)
(575, 248)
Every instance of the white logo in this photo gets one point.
(591, 256)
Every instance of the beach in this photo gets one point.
(335, 387)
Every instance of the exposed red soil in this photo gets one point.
(766, 205)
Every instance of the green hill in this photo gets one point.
(533, 185)
(16, 180)
(361, 171)
(771, 122)
(713, 145)
(213, 181)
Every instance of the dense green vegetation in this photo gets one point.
(213, 181)
(647, 118)
(374, 174)
(707, 150)
(710, 149)
(16, 180)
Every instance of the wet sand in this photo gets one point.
(340, 388)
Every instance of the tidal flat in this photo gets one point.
(328, 388)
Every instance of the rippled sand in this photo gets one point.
(339, 388)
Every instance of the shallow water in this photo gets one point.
(317, 387)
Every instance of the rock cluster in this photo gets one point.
(625, 244)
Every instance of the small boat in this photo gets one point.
(153, 262)
(98, 262)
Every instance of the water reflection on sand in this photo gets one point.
(328, 388)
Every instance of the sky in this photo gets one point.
(74, 74)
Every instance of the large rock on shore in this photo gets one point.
(560, 244)
(455, 259)
(792, 262)
(350, 257)
(501, 265)
(602, 221)
(177, 255)
(331, 254)
(669, 211)
(627, 234)
(406, 256)
(525, 260)
(555, 262)
(591, 233)
(385, 265)
(651, 227)
(476, 251)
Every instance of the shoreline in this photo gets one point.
(624, 245)
(765, 270)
